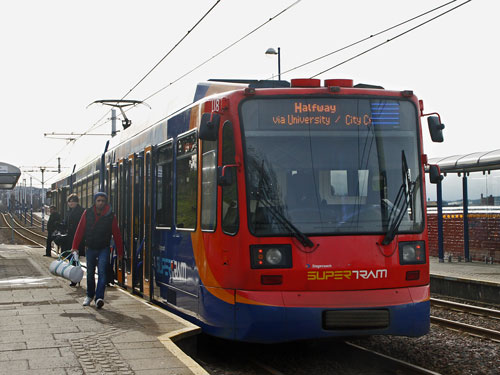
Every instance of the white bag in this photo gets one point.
(62, 268)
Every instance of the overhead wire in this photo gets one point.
(157, 64)
(213, 57)
(226, 48)
(96, 124)
(172, 49)
(318, 58)
(391, 39)
(367, 38)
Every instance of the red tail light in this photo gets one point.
(412, 275)
(271, 279)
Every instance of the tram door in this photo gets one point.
(128, 239)
(62, 208)
(148, 201)
(111, 190)
(138, 224)
(120, 207)
(134, 223)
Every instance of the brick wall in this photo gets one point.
(484, 235)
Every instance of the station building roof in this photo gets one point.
(9, 175)
(474, 162)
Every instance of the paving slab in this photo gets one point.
(45, 329)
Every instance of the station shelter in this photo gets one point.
(466, 224)
(9, 175)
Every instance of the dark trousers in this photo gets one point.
(48, 248)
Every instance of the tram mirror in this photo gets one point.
(435, 174)
(209, 126)
(435, 128)
(225, 175)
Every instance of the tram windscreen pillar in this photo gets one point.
(439, 191)
(466, 216)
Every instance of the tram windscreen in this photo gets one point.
(332, 165)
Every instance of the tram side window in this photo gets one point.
(186, 181)
(85, 193)
(164, 186)
(209, 185)
(106, 176)
(79, 191)
(230, 216)
(96, 184)
(114, 186)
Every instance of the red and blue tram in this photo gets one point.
(270, 211)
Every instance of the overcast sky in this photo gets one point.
(59, 56)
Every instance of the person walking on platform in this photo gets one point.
(52, 225)
(96, 226)
(73, 218)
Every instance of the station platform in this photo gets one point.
(44, 329)
(469, 280)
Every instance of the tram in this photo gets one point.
(270, 211)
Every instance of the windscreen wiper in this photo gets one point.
(403, 199)
(283, 220)
(262, 196)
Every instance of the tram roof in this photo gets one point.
(9, 175)
(473, 162)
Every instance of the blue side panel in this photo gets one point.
(216, 316)
(278, 324)
(178, 124)
(185, 276)
(201, 91)
(176, 278)
(174, 265)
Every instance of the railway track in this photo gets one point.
(384, 362)
(30, 230)
(36, 221)
(459, 308)
(26, 234)
(300, 358)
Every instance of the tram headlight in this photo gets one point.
(412, 252)
(270, 256)
(274, 256)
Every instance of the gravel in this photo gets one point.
(443, 350)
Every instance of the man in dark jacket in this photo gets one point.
(74, 215)
(96, 226)
(72, 219)
(52, 225)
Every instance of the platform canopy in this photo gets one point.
(474, 162)
(9, 175)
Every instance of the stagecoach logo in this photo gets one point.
(346, 274)
(172, 270)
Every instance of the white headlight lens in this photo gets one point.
(409, 253)
(274, 256)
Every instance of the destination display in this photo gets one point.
(324, 113)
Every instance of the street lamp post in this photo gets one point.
(272, 51)
(31, 200)
(25, 203)
(42, 169)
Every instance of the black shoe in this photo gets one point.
(99, 303)
(72, 284)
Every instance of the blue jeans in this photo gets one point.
(99, 258)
